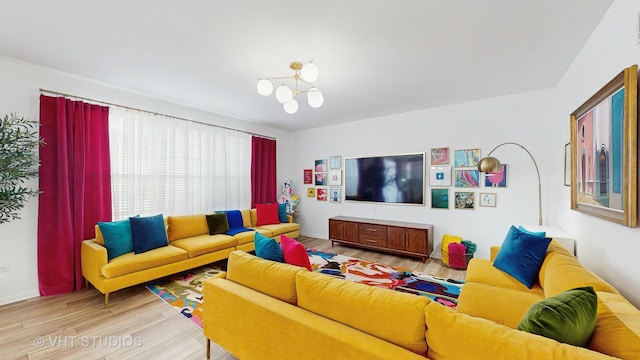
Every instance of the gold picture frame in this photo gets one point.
(604, 151)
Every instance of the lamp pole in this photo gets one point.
(494, 160)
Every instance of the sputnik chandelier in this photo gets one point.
(304, 75)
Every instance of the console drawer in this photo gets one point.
(371, 234)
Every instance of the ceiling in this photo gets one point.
(376, 57)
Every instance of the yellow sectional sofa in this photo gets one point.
(269, 310)
(496, 302)
(190, 246)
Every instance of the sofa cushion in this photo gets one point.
(204, 244)
(561, 271)
(130, 262)
(617, 330)
(217, 223)
(482, 271)
(268, 277)
(246, 237)
(148, 233)
(569, 317)
(267, 214)
(504, 306)
(283, 228)
(452, 335)
(268, 248)
(180, 227)
(117, 237)
(390, 315)
(294, 252)
(521, 255)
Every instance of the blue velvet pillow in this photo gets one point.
(148, 233)
(267, 248)
(282, 213)
(234, 218)
(521, 255)
(535, 233)
(117, 237)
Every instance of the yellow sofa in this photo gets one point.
(190, 246)
(268, 310)
(495, 302)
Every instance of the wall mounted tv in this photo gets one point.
(397, 179)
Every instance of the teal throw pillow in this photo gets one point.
(218, 223)
(534, 233)
(148, 233)
(117, 237)
(569, 317)
(282, 213)
(521, 255)
(268, 248)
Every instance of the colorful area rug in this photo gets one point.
(184, 291)
(441, 290)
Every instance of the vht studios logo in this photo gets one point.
(89, 341)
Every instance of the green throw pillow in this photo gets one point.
(218, 223)
(569, 317)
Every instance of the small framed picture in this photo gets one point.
(440, 198)
(311, 192)
(496, 179)
(467, 178)
(439, 156)
(335, 162)
(335, 177)
(440, 176)
(321, 179)
(335, 194)
(488, 199)
(465, 200)
(308, 176)
(466, 157)
(321, 165)
(321, 194)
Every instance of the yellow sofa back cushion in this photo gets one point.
(455, 336)
(617, 327)
(268, 277)
(181, 227)
(390, 315)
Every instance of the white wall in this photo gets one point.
(537, 120)
(20, 94)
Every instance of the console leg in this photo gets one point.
(106, 300)
(208, 348)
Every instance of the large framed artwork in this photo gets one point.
(604, 151)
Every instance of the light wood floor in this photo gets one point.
(137, 324)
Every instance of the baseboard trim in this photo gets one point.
(19, 297)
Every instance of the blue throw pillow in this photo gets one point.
(268, 248)
(234, 218)
(535, 233)
(117, 237)
(282, 213)
(521, 255)
(148, 233)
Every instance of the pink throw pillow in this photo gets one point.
(267, 214)
(294, 252)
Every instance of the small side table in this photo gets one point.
(560, 236)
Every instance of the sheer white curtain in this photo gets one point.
(161, 164)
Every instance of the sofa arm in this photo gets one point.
(494, 252)
(93, 257)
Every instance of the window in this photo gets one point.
(161, 164)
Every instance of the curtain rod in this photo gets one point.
(152, 112)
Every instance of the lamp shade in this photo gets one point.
(489, 164)
(309, 72)
(291, 106)
(315, 98)
(283, 94)
(265, 87)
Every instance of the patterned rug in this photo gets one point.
(184, 291)
(441, 290)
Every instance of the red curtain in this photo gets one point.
(263, 171)
(75, 180)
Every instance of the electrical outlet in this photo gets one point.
(4, 268)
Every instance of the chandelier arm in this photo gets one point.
(537, 173)
(278, 78)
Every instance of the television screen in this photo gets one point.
(395, 179)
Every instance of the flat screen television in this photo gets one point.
(396, 179)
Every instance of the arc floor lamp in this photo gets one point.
(491, 164)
